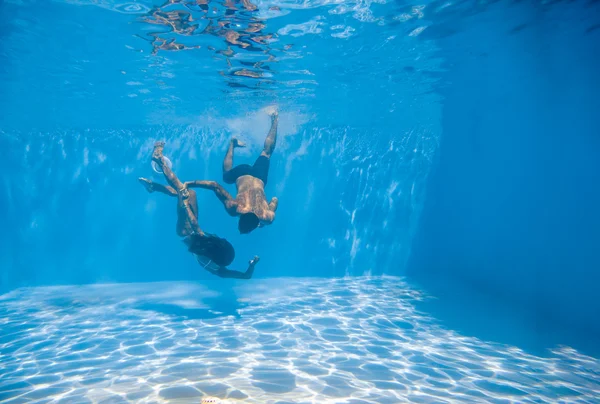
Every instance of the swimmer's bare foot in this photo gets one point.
(158, 151)
(238, 143)
(149, 185)
(272, 111)
(254, 261)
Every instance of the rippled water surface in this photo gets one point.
(175, 60)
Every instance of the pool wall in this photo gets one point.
(511, 215)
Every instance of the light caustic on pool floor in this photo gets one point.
(295, 340)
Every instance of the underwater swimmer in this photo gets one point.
(201, 246)
(250, 203)
(212, 252)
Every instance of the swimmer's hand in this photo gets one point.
(237, 143)
(254, 261)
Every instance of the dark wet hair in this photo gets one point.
(248, 222)
(217, 249)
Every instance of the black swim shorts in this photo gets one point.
(260, 170)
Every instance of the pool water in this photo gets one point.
(436, 168)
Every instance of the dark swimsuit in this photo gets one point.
(259, 170)
(212, 248)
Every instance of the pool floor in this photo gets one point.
(283, 340)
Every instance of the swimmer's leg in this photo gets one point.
(157, 157)
(152, 186)
(191, 217)
(271, 139)
(228, 160)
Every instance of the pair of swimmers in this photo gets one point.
(250, 204)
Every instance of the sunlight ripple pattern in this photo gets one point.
(354, 340)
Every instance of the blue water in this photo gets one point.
(436, 167)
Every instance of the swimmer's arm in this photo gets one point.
(228, 273)
(274, 203)
(224, 196)
(269, 215)
(213, 271)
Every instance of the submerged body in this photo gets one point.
(251, 198)
(184, 225)
(250, 203)
(215, 251)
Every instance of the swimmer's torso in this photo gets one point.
(251, 198)
(184, 227)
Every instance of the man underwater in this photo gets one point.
(250, 204)
(212, 252)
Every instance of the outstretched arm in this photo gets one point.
(228, 273)
(273, 204)
(224, 196)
